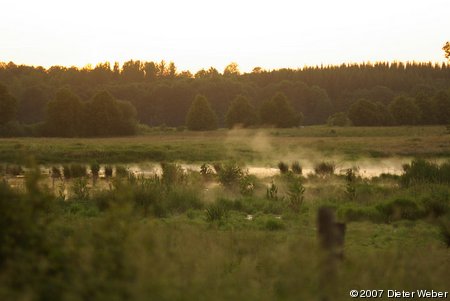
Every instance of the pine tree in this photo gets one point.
(201, 116)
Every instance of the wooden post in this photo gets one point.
(331, 234)
(331, 240)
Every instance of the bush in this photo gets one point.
(437, 203)
(283, 167)
(296, 168)
(56, 172)
(148, 194)
(77, 171)
(272, 192)
(108, 171)
(121, 171)
(422, 171)
(181, 199)
(247, 184)
(172, 174)
(230, 174)
(353, 213)
(419, 171)
(67, 172)
(95, 169)
(206, 171)
(339, 119)
(324, 168)
(14, 170)
(103, 199)
(350, 188)
(273, 224)
(80, 189)
(216, 213)
(296, 195)
(217, 167)
(399, 209)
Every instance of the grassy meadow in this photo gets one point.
(217, 231)
(246, 145)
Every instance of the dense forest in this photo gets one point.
(112, 100)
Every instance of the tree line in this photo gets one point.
(158, 94)
(68, 116)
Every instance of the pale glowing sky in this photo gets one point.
(203, 33)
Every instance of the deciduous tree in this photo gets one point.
(64, 115)
(365, 113)
(442, 104)
(241, 112)
(279, 112)
(446, 48)
(8, 106)
(404, 111)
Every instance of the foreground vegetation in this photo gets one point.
(221, 234)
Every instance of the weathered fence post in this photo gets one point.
(331, 235)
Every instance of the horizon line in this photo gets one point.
(90, 66)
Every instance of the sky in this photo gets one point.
(198, 34)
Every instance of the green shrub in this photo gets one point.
(80, 189)
(82, 208)
(230, 174)
(296, 195)
(273, 224)
(172, 174)
(180, 199)
(272, 192)
(437, 203)
(357, 213)
(247, 184)
(399, 209)
(103, 199)
(147, 195)
(216, 213)
(422, 171)
(237, 204)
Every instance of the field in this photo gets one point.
(245, 145)
(194, 221)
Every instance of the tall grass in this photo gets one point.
(422, 171)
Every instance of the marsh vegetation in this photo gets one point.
(219, 230)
